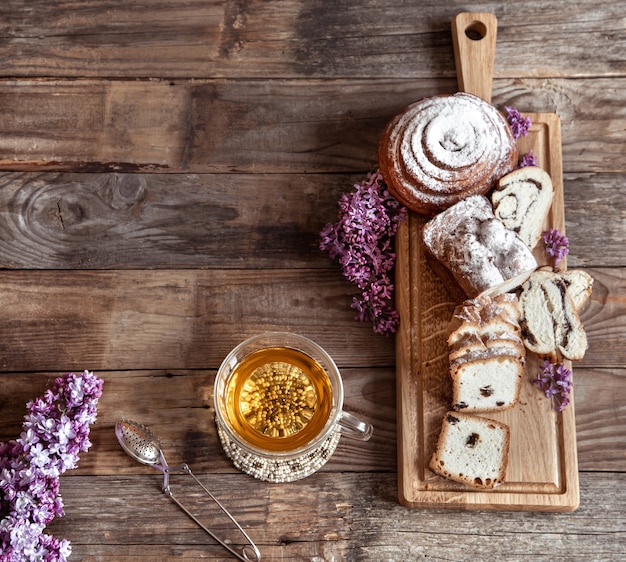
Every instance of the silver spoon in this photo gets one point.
(143, 446)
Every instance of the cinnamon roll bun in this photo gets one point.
(442, 149)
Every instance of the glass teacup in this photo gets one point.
(279, 407)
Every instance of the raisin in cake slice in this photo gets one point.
(472, 450)
(487, 384)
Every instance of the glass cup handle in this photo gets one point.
(354, 427)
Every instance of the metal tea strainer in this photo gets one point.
(143, 446)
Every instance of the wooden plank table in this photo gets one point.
(165, 169)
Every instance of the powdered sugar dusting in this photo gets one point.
(447, 147)
(453, 143)
(477, 248)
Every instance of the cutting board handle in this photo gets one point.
(474, 40)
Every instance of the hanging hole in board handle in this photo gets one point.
(474, 40)
(476, 31)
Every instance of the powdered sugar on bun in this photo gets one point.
(442, 149)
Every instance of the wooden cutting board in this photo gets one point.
(543, 469)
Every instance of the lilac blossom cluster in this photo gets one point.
(519, 124)
(557, 244)
(362, 241)
(529, 159)
(55, 431)
(555, 380)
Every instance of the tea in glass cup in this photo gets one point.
(278, 403)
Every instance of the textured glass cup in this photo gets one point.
(279, 407)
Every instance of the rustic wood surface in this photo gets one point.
(165, 169)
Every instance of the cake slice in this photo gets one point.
(485, 318)
(487, 384)
(472, 450)
(550, 323)
(522, 201)
(474, 347)
(497, 328)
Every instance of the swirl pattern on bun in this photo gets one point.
(442, 149)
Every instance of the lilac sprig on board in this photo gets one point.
(527, 160)
(55, 430)
(362, 241)
(556, 243)
(519, 124)
(555, 380)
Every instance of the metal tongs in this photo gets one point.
(143, 446)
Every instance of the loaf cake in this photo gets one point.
(550, 323)
(522, 201)
(472, 450)
(468, 243)
(485, 318)
(442, 149)
(487, 354)
(474, 346)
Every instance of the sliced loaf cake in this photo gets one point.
(487, 384)
(486, 354)
(472, 450)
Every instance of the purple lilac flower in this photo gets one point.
(55, 431)
(519, 124)
(557, 244)
(555, 380)
(362, 242)
(527, 160)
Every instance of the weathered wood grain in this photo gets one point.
(187, 319)
(188, 258)
(345, 516)
(595, 242)
(291, 38)
(600, 397)
(173, 318)
(296, 126)
(121, 221)
(96, 221)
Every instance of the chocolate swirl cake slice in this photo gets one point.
(522, 201)
(550, 323)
